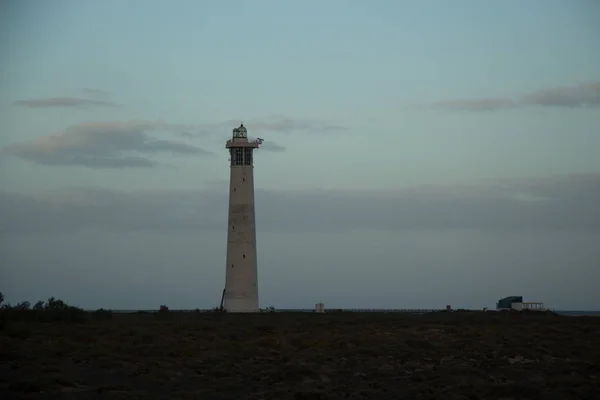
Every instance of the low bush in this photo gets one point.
(53, 310)
(163, 312)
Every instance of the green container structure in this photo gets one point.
(507, 302)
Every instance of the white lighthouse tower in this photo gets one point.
(241, 277)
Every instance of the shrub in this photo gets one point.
(163, 312)
(53, 310)
(56, 310)
(24, 305)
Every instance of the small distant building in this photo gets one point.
(516, 303)
(319, 308)
(529, 306)
(507, 302)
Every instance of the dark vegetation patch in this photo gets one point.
(198, 355)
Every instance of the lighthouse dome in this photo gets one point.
(240, 132)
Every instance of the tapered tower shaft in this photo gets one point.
(241, 277)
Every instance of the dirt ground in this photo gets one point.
(304, 356)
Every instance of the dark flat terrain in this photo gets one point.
(304, 356)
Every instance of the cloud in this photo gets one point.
(280, 123)
(585, 95)
(271, 124)
(550, 204)
(476, 104)
(94, 92)
(272, 146)
(103, 145)
(63, 102)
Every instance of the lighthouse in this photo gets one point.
(241, 276)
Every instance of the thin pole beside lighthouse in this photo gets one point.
(241, 276)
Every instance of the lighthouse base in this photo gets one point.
(241, 305)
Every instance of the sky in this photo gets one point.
(416, 153)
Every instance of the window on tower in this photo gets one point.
(241, 156)
(247, 156)
(237, 156)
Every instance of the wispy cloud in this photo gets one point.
(94, 92)
(271, 124)
(567, 203)
(280, 123)
(585, 95)
(272, 146)
(63, 102)
(104, 145)
(475, 104)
